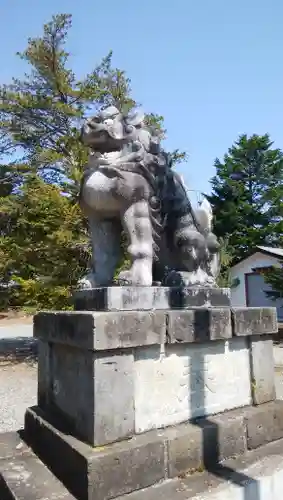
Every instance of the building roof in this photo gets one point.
(276, 252)
(272, 251)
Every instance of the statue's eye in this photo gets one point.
(108, 121)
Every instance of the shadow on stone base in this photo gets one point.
(120, 468)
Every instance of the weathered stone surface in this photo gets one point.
(44, 373)
(199, 325)
(262, 369)
(124, 467)
(25, 478)
(190, 380)
(113, 330)
(101, 330)
(113, 409)
(227, 436)
(254, 321)
(11, 446)
(93, 393)
(131, 466)
(100, 473)
(96, 368)
(185, 449)
(205, 442)
(146, 298)
(17, 349)
(264, 424)
(148, 200)
(258, 475)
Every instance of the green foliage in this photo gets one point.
(41, 115)
(37, 295)
(226, 258)
(11, 177)
(247, 195)
(274, 277)
(44, 245)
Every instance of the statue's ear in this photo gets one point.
(135, 119)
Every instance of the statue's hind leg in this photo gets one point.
(106, 251)
(137, 224)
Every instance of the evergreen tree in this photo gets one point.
(40, 120)
(43, 249)
(274, 277)
(226, 258)
(247, 195)
(41, 115)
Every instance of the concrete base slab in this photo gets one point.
(23, 476)
(97, 473)
(147, 459)
(278, 355)
(258, 475)
(126, 298)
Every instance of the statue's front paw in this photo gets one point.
(138, 275)
(87, 282)
(124, 278)
(188, 278)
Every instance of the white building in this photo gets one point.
(249, 286)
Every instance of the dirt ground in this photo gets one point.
(15, 318)
(18, 390)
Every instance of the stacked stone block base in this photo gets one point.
(111, 375)
(131, 398)
(106, 472)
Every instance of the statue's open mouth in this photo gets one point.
(102, 139)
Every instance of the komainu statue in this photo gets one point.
(129, 185)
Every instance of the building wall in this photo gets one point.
(258, 259)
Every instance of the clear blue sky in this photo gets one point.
(213, 68)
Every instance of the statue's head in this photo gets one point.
(109, 130)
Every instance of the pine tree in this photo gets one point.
(40, 120)
(41, 115)
(274, 277)
(226, 259)
(247, 195)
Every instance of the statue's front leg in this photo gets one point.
(137, 223)
(106, 252)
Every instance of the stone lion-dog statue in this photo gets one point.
(128, 184)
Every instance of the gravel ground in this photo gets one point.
(9, 331)
(18, 390)
(279, 382)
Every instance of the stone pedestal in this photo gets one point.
(130, 398)
(133, 298)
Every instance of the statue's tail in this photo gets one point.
(204, 217)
